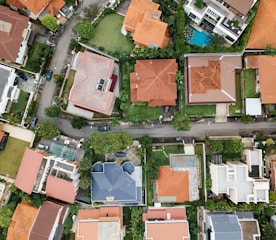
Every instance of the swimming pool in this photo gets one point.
(199, 38)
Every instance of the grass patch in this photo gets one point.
(236, 109)
(250, 83)
(21, 103)
(108, 35)
(68, 85)
(200, 110)
(11, 157)
(127, 219)
(137, 113)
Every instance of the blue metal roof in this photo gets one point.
(97, 167)
(114, 182)
(128, 167)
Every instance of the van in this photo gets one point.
(42, 147)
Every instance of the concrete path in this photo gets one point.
(19, 133)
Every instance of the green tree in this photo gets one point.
(208, 182)
(85, 30)
(269, 232)
(49, 22)
(217, 41)
(269, 211)
(246, 119)
(85, 164)
(210, 205)
(181, 122)
(85, 182)
(270, 50)
(145, 141)
(233, 146)
(37, 199)
(78, 122)
(179, 77)
(73, 43)
(199, 4)
(105, 142)
(216, 146)
(137, 225)
(5, 216)
(52, 111)
(57, 79)
(91, 11)
(48, 130)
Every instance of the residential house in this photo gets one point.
(43, 173)
(153, 81)
(115, 184)
(234, 180)
(15, 30)
(180, 181)
(228, 226)
(8, 90)
(49, 222)
(264, 66)
(253, 106)
(254, 160)
(101, 223)
(262, 33)
(93, 86)
(226, 18)
(143, 21)
(21, 222)
(36, 9)
(166, 223)
(211, 78)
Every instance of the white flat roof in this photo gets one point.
(253, 106)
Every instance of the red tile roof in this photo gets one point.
(240, 6)
(28, 170)
(173, 183)
(46, 220)
(263, 31)
(1, 135)
(154, 82)
(266, 66)
(90, 68)
(175, 213)
(11, 30)
(60, 189)
(212, 78)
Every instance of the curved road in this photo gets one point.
(62, 57)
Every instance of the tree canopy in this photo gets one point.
(48, 130)
(85, 30)
(105, 142)
(181, 122)
(49, 22)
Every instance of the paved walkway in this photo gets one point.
(221, 112)
(19, 133)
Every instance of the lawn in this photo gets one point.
(236, 109)
(138, 113)
(250, 83)
(127, 223)
(21, 103)
(68, 85)
(108, 35)
(200, 110)
(11, 157)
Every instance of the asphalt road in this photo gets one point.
(62, 56)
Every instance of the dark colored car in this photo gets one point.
(22, 76)
(120, 154)
(49, 75)
(104, 128)
(15, 81)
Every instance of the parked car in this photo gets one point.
(49, 75)
(34, 122)
(104, 128)
(42, 146)
(15, 81)
(120, 154)
(22, 76)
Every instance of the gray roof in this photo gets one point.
(226, 227)
(4, 75)
(113, 181)
(247, 215)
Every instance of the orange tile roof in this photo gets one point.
(267, 71)
(60, 189)
(54, 6)
(90, 68)
(136, 11)
(212, 79)
(175, 213)
(173, 183)
(1, 135)
(21, 221)
(167, 230)
(263, 32)
(11, 39)
(143, 19)
(241, 6)
(28, 170)
(35, 6)
(87, 230)
(154, 82)
(15, 3)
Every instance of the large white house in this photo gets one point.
(226, 18)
